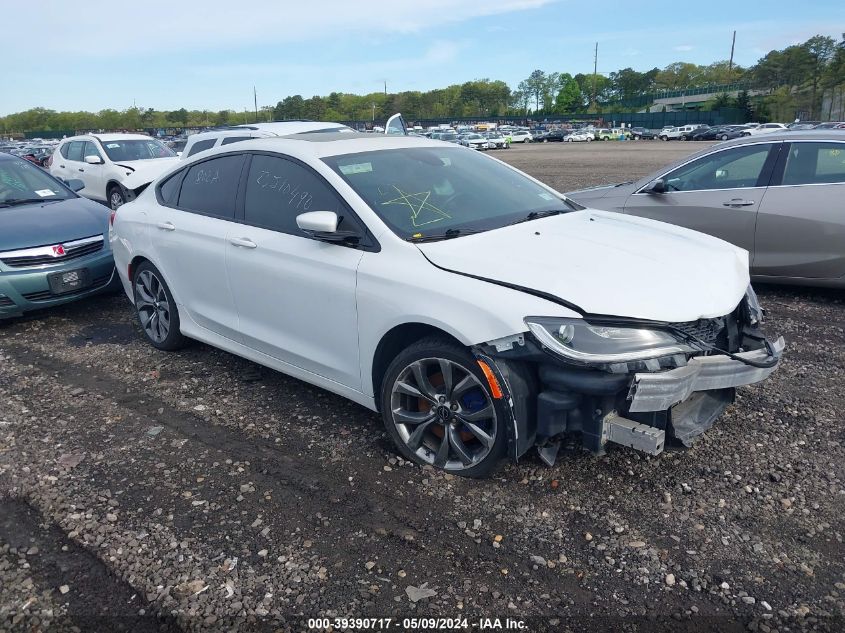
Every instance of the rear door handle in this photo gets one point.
(166, 226)
(244, 242)
(738, 202)
(80, 169)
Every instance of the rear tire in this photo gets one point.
(434, 393)
(724, 137)
(156, 309)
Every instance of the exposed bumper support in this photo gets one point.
(661, 390)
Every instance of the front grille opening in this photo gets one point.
(5, 301)
(72, 252)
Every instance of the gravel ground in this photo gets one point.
(197, 491)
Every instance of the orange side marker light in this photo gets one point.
(495, 388)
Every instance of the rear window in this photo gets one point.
(74, 152)
(234, 139)
(200, 146)
(814, 164)
(211, 187)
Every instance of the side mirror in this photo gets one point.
(93, 160)
(75, 184)
(318, 222)
(322, 225)
(658, 186)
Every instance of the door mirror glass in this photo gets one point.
(317, 221)
(658, 186)
(722, 174)
(75, 184)
(93, 160)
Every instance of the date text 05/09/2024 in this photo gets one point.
(416, 624)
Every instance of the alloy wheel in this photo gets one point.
(115, 199)
(152, 306)
(443, 413)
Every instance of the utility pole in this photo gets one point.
(385, 87)
(595, 71)
(255, 99)
(731, 62)
(374, 111)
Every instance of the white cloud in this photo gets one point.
(683, 48)
(155, 26)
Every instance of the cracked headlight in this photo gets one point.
(752, 305)
(584, 342)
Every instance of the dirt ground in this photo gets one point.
(147, 491)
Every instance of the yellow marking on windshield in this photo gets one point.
(424, 212)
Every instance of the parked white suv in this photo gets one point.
(395, 126)
(114, 167)
(682, 133)
(236, 133)
(479, 311)
(521, 136)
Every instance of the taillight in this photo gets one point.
(111, 217)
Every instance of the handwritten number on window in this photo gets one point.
(290, 192)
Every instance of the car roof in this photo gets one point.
(115, 136)
(789, 135)
(322, 144)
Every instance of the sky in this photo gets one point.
(209, 54)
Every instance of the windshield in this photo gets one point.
(21, 180)
(119, 151)
(423, 191)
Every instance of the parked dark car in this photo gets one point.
(638, 133)
(54, 245)
(721, 133)
(552, 136)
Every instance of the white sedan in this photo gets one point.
(579, 137)
(480, 312)
(473, 140)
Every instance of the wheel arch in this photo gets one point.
(394, 341)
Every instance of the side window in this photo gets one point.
(91, 150)
(815, 163)
(64, 150)
(75, 151)
(278, 190)
(729, 169)
(169, 189)
(211, 187)
(201, 145)
(234, 139)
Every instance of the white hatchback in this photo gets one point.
(479, 311)
(114, 167)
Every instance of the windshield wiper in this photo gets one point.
(446, 235)
(16, 201)
(536, 215)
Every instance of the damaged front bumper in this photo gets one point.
(639, 409)
(660, 390)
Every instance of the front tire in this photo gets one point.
(156, 309)
(438, 410)
(116, 197)
(724, 137)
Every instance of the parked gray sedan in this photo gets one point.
(781, 196)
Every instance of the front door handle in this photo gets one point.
(166, 226)
(738, 202)
(80, 169)
(243, 242)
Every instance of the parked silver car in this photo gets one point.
(781, 196)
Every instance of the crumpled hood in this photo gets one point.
(142, 172)
(51, 223)
(607, 264)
